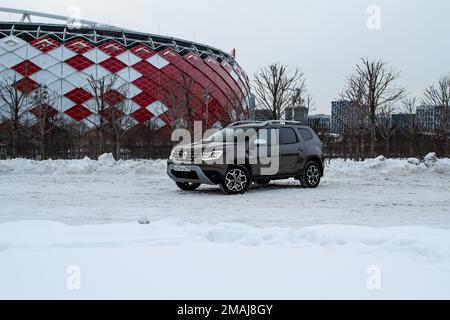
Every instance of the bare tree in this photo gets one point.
(47, 118)
(413, 127)
(277, 88)
(101, 90)
(385, 126)
(379, 90)
(438, 96)
(357, 125)
(308, 102)
(117, 117)
(75, 132)
(13, 108)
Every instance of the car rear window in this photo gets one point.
(306, 134)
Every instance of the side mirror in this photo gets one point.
(260, 142)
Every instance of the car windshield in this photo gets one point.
(231, 135)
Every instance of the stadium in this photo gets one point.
(63, 57)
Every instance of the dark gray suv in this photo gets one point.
(247, 152)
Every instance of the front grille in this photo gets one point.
(185, 175)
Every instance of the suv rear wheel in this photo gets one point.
(237, 180)
(310, 177)
(185, 186)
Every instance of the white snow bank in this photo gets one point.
(178, 260)
(107, 165)
(381, 165)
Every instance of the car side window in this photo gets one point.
(288, 136)
(306, 134)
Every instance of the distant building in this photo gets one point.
(320, 122)
(299, 114)
(262, 115)
(403, 120)
(430, 118)
(427, 118)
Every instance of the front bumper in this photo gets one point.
(196, 175)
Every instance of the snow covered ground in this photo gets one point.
(377, 229)
(372, 193)
(174, 259)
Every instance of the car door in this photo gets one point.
(264, 154)
(289, 150)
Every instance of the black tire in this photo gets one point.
(263, 182)
(310, 177)
(237, 180)
(185, 186)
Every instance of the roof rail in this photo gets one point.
(282, 122)
(238, 123)
(266, 123)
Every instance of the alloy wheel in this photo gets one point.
(236, 180)
(313, 175)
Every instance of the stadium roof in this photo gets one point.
(96, 32)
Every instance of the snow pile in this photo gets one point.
(105, 165)
(178, 260)
(413, 161)
(381, 165)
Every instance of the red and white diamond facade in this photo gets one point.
(64, 59)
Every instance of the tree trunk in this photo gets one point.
(363, 152)
(388, 147)
(411, 143)
(14, 138)
(373, 136)
(350, 149)
(446, 144)
(42, 145)
(117, 155)
(101, 142)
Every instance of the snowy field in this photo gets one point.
(376, 229)
(372, 193)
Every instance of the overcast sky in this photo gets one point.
(325, 38)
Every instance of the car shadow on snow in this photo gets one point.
(215, 190)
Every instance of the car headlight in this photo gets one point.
(210, 156)
(172, 155)
(178, 154)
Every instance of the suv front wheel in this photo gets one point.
(310, 177)
(237, 180)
